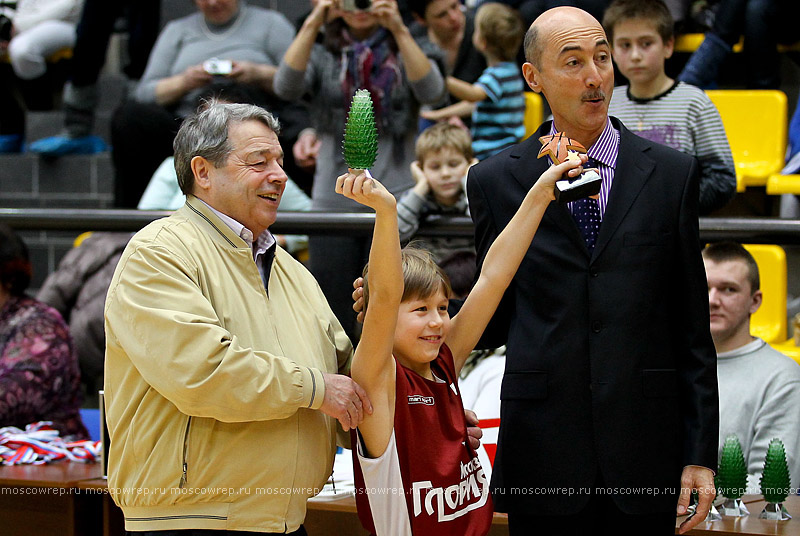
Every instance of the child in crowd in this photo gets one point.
(444, 154)
(408, 361)
(496, 100)
(660, 109)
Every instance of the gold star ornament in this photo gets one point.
(560, 148)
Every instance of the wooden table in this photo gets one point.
(71, 499)
(751, 525)
(41, 499)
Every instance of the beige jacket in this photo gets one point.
(212, 385)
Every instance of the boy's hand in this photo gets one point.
(569, 168)
(422, 187)
(365, 190)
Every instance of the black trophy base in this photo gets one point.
(587, 185)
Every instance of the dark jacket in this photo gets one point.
(610, 366)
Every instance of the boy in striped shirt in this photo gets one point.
(495, 100)
(658, 108)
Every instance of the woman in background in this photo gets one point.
(363, 49)
(39, 378)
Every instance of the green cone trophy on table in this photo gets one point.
(775, 482)
(360, 145)
(731, 478)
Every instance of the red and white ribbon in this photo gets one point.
(40, 443)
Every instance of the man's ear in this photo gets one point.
(531, 75)
(755, 301)
(201, 168)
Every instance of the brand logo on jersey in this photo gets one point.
(453, 501)
(419, 399)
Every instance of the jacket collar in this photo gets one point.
(199, 213)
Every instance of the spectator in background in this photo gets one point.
(759, 388)
(77, 290)
(363, 49)
(496, 100)
(530, 9)
(247, 42)
(444, 154)
(29, 36)
(39, 378)
(660, 109)
(449, 26)
(763, 24)
(97, 23)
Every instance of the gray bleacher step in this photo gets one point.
(73, 181)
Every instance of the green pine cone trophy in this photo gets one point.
(360, 145)
(732, 474)
(775, 481)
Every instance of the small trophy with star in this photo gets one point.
(561, 148)
(360, 145)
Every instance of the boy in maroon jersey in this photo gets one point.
(415, 470)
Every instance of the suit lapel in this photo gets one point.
(633, 170)
(526, 168)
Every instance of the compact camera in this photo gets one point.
(6, 24)
(218, 67)
(356, 5)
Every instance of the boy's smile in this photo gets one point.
(422, 325)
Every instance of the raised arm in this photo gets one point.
(299, 51)
(501, 263)
(464, 90)
(373, 367)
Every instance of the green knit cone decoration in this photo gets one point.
(732, 475)
(775, 480)
(360, 144)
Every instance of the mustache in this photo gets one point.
(594, 94)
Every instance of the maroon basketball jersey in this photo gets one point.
(445, 490)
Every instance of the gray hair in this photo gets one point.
(532, 47)
(205, 133)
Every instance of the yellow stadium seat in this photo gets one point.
(769, 322)
(690, 42)
(756, 123)
(534, 109)
(788, 348)
(778, 184)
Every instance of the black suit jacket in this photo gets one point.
(610, 365)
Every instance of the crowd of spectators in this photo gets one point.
(418, 59)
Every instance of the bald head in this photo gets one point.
(555, 20)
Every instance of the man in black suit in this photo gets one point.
(609, 401)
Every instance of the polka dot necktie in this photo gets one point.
(586, 212)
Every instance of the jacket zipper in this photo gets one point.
(185, 449)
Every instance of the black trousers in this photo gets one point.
(600, 516)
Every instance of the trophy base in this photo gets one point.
(734, 508)
(713, 514)
(587, 185)
(774, 511)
